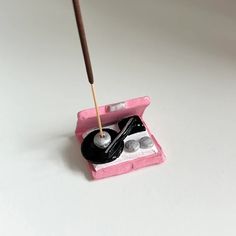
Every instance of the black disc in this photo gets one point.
(97, 155)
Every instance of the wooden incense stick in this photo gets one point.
(88, 65)
(97, 111)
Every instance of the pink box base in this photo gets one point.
(87, 121)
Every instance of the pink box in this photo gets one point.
(111, 114)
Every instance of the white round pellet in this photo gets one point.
(132, 146)
(146, 142)
(102, 142)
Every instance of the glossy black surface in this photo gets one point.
(137, 127)
(97, 155)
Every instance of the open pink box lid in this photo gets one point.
(87, 120)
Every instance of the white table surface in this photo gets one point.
(180, 53)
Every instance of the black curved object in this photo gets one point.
(97, 155)
(138, 125)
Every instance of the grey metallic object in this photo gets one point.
(132, 146)
(102, 142)
(146, 142)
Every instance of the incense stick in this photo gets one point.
(84, 45)
(97, 111)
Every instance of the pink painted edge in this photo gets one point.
(139, 105)
(129, 166)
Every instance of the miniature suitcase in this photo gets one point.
(111, 114)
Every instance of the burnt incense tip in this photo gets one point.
(83, 40)
(88, 65)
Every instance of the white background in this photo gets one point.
(181, 53)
